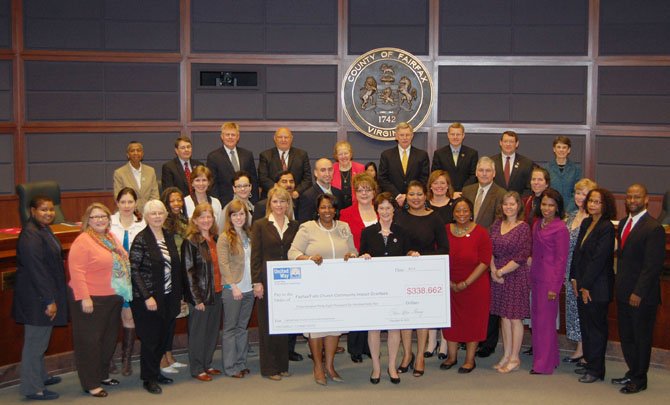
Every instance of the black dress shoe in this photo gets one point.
(533, 372)
(393, 380)
(620, 381)
(152, 387)
(164, 380)
(632, 388)
(528, 351)
(110, 382)
(568, 359)
(588, 378)
(374, 380)
(442, 356)
(447, 366)
(99, 394)
(406, 368)
(357, 358)
(581, 371)
(52, 380)
(294, 356)
(483, 352)
(463, 370)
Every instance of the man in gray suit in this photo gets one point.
(485, 194)
(138, 176)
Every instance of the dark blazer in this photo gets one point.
(372, 241)
(172, 174)
(640, 262)
(222, 169)
(519, 178)
(40, 277)
(391, 177)
(197, 272)
(487, 212)
(147, 271)
(266, 245)
(269, 165)
(593, 260)
(463, 173)
(307, 202)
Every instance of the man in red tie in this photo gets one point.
(284, 157)
(640, 255)
(514, 170)
(177, 172)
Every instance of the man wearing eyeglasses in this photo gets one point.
(229, 159)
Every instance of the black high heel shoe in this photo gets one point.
(402, 369)
(374, 380)
(393, 380)
(431, 354)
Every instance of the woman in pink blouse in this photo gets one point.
(99, 283)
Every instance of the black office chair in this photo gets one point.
(28, 191)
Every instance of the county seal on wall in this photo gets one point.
(384, 87)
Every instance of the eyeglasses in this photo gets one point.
(98, 217)
(597, 202)
(243, 186)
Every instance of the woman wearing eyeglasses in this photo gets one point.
(99, 283)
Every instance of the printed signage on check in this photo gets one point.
(384, 87)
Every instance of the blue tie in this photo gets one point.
(126, 241)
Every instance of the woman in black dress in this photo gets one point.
(385, 238)
(427, 236)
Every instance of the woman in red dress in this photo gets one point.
(471, 251)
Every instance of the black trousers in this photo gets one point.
(272, 348)
(492, 334)
(94, 337)
(636, 327)
(357, 343)
(152, 329)
(593, 325)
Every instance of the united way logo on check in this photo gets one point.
(384, 87)
(287, 273)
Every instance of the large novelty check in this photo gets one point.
(376, 294)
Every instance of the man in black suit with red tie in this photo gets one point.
(229, 159)
(284, 157)
(640, 256)
(457, 159)
(514, 170)
(177, 172)
(402, 164)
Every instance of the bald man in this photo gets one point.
(323, 173)
(284, 157)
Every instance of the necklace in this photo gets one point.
(458, 231)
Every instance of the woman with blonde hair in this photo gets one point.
(234, 252)
(99, 282)
(202, 290)
(344, 171)
(271, 239)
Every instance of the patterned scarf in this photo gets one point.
(120, 264)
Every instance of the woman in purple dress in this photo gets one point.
(551, 241)
(510, 289)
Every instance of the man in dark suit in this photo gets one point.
(514, 170)
(486, 196)
(457, 159)
(284, 157)
(228, 159)
(174, 172)
(285, 180)
(402, 164)
(323, 173)
(640, 255)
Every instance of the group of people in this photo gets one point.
(516, 233)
